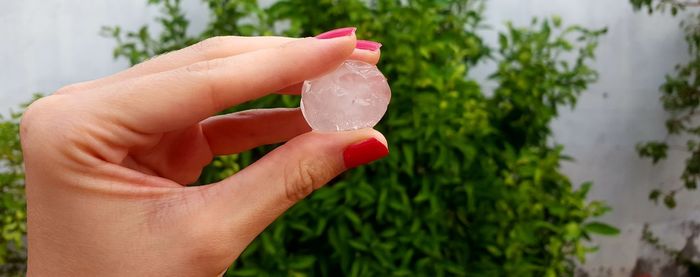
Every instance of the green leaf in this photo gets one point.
(601, 228)
(245, 272)
(352, 216)
(654, 195)
(670, 200)
(302, 262)
(503, 40)
(654, 150)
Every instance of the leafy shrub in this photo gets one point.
(13, 214)
(471, 186)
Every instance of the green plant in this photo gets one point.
(674, 6)
(13, 214)
(680, 96)
(471, 186)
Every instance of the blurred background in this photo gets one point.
(49, 44)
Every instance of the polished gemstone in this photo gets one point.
(353, 96)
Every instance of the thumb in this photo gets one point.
(254, 197)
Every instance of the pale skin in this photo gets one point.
(108, 161)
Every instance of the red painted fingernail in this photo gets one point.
(364, 152)
(368, 45)
(336, 33)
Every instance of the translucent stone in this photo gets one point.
(353, 96)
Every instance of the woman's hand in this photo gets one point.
(108, 161)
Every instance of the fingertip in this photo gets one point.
(337, 47)
(367, 133)
(366, 150)
(371, 57)
(368, 45)
(312, 57)
(380, 137)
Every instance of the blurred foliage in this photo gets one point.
(471, 187)
(683, 258)
(13, 216)
(674, 6)
(680, 96)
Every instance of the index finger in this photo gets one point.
(211, 48)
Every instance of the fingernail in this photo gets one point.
(364, 152)
(368, 45)
(341, 32)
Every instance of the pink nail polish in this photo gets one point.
(342, 32)
(368, 45)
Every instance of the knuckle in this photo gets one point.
(52, 120)
(201, 74)
(210, 46)
(202, 66)
(291, 44)
(304, 178)
(36, 114)
(209, 43)
(284, 78)
(73, 88)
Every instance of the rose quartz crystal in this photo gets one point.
(353, 96)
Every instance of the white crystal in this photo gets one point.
(353, 96)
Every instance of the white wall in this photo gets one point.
(620, 110)
(51, 43)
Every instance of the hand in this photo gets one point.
(108, 161)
